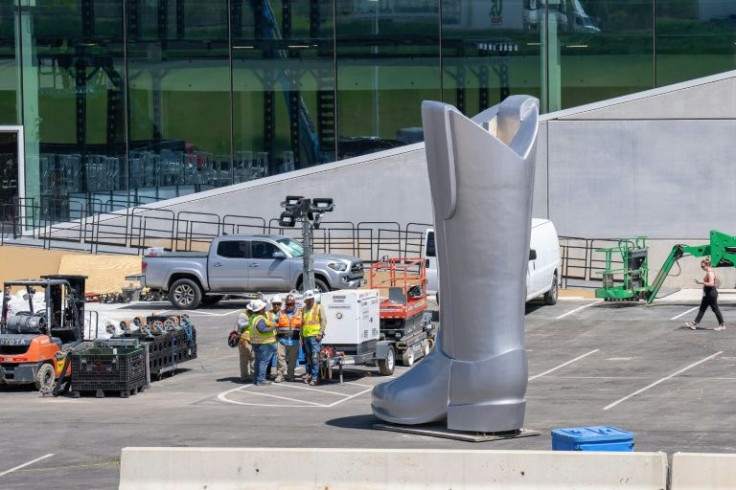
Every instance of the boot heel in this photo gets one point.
(486, 417)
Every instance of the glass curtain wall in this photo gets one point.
(179, 97)
(694, 39)
(73, 104)
(490, 50)
(126, 102)
(8, 64)
(283, 86)
(388, 62)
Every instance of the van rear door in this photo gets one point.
(430, 255)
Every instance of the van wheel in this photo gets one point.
(185, 294)
(44, 377)
(386, 366)
(550, 297)
(408, 358)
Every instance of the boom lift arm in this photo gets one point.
(722, 249)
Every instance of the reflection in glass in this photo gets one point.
(695, 42)
(283, 87)
(179, 85)
(387, 63)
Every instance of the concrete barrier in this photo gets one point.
(232, 468)
(703, 471)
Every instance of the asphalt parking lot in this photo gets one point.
(590, 363)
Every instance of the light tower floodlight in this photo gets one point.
(309, 212)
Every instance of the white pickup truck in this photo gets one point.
(244, 264)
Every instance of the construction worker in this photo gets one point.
(263, 338)
(288, 330)
(245, 350)
(273, 320)
(314, 322)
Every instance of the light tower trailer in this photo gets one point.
(353, 333)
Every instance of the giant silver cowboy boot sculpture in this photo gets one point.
(481, 174)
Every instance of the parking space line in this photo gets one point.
(348, 398)
(578, 309)
(287, 398)
(563, 364)
(642, 390)
(197, 313)
(7, 472)
(683, 314)
(314, 390)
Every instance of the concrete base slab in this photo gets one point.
(436, 431)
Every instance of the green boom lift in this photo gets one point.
(635, 266)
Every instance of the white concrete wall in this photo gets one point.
(234, 468)
(703, 471)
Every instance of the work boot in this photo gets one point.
(307, 378)
(279, 379)
(481, 175)
(265, 383)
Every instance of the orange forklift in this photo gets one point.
(33, 342)
(403, 316)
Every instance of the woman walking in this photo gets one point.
(710, 296)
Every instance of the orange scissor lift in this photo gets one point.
(402, 283)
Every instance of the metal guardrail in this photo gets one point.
(135, 229)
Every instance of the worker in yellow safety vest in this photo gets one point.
(245, 350)
(273, 317)
(263, 339)
(314, 322)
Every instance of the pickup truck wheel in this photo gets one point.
(211, 300)
(185, 294)
(319, 285)
(550, 297)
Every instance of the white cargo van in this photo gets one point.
(543, 272)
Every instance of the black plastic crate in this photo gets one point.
(121, 369)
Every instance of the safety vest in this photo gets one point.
(245, 332)
(288, 325)
(271, 317)
(311, 321)
(258, 337)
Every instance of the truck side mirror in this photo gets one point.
(279, 255)
(532, 254)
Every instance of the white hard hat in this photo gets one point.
(256, 305)
(309, 294)
(276, 299)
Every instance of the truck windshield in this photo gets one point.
(294, 248)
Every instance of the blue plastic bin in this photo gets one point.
(592, 439)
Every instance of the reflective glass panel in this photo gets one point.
(596, 49)
(179, 97)
(694, 39)
(8, 63)
(283, 86)
(73, 106)
(491, 49)
(388, 63)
